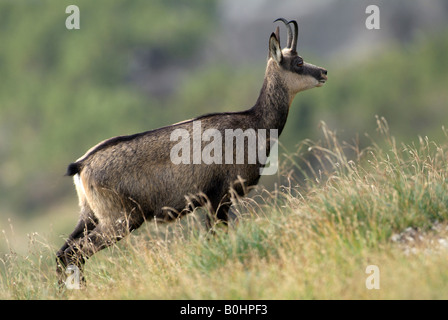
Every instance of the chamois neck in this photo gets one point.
(272, 106)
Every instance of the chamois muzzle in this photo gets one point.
(323, 75)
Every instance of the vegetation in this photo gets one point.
(311, 242)
(308, 233)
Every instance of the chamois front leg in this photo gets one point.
(219, 212)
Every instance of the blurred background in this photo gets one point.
(138, 65)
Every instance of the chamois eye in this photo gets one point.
(300, 63)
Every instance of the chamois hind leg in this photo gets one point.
(86, 223)
(101, 236)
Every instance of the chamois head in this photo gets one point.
(296, 74)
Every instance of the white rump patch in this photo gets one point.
(79, 185)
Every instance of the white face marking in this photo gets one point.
(297, 82)
(293, 81)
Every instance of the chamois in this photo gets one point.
(126, 180)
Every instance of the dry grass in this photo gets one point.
(311, 240)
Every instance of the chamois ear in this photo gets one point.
(275, 52)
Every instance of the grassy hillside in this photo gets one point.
(383, 206)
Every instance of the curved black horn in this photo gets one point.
(295, 35)
(288, 29)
